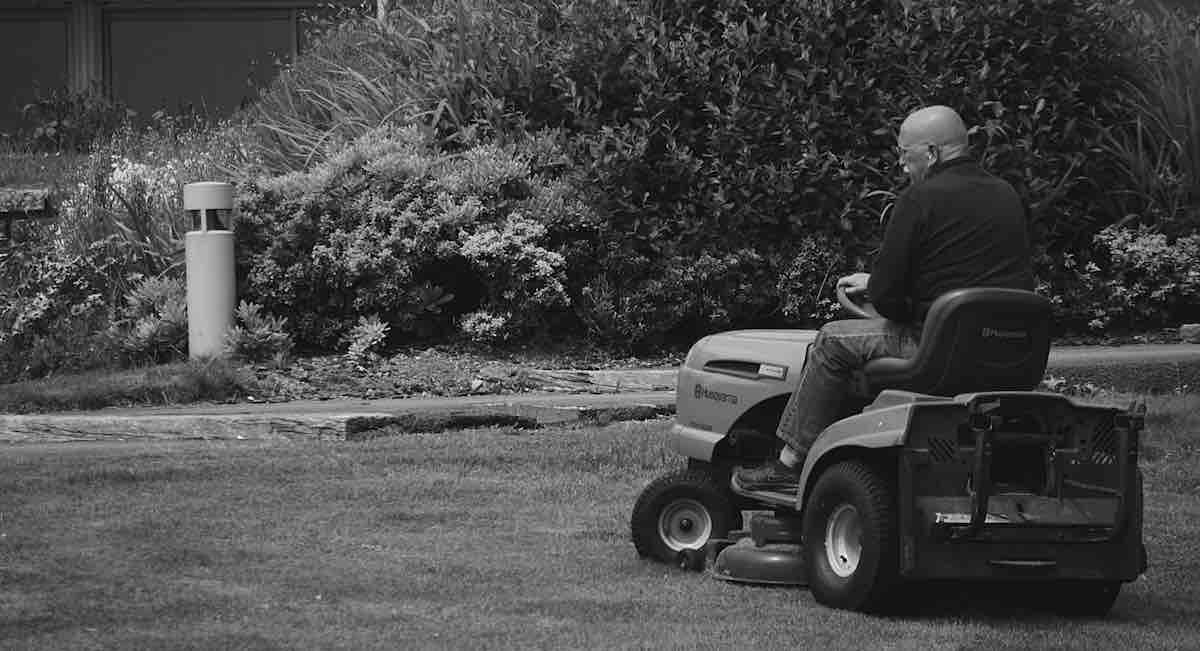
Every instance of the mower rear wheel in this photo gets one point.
(681, 512)
(850, 544)
(1080, 598)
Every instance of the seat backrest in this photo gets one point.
(976, 339)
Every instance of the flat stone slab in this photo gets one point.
(604, 381)
(315, 420)
(31, 202)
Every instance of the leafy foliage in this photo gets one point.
(391, 227)
(256, 336)
(72, 121)
(1159, 145)
(719, 135)
(1139, 279)
(366, 338)
(65, 284)
(435, 63)
(51, 307)
(153, 323)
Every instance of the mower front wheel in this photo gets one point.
(850, 543)
(677, 514)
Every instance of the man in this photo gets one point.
(955, 226)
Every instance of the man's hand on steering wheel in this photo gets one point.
(852, 294)
(854, 284)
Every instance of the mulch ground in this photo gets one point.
(428, 372)
(452, 371)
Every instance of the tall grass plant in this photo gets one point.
(436, 63)
(1159, 147)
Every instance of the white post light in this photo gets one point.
(211, 284)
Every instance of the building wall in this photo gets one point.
(210, 60)
(33, 47)
(173, 54)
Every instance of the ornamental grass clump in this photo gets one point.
(439, 63)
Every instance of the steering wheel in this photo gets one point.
(862, 309)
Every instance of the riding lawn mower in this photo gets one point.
(948, 465)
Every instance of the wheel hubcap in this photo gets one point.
(684, 524)
(843, 540)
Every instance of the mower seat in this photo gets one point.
(976, 339)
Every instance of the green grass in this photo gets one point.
(491, 538)
(164, 384)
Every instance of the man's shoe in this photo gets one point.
(772, 476)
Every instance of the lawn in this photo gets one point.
(492, 538)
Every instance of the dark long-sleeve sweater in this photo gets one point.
(960, 227)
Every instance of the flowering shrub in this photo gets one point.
(390, 226)
(1139, 278)
(51, 308)
(806, 287)
(510, 261)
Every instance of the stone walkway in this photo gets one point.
(594, 397)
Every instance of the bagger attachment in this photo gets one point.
(1022, 485)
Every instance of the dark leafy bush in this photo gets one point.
(729, 131)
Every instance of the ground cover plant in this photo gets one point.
(493, 538)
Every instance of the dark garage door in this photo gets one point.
(205, 59)
(35, 60)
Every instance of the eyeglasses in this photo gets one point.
(901, 150)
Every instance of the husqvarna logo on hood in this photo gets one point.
(705, 394)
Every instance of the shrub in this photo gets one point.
(719, 135)
(256, 336)
(807, 285)
(1138, 279)
(153, 326)
(390, 226)
(72, 121)
(51, 306)
(366, 339)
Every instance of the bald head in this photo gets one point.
(929, 135)
(934, 125)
